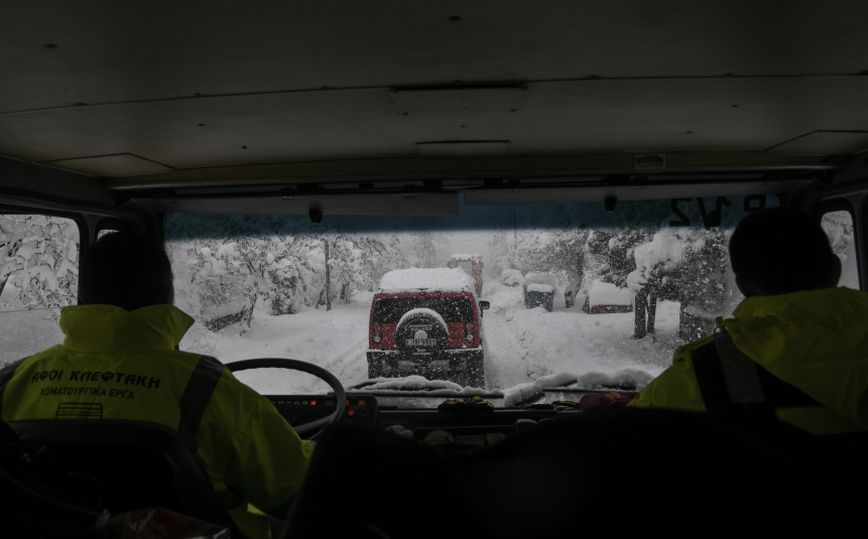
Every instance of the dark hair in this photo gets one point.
(127, 269)
(783, 250)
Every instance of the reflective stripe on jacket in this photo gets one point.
(118, 364)
(814, 341)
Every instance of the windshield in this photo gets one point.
(569, 296)
(575, 295)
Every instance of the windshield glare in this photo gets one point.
(610, 295)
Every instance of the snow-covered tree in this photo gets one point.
(609, 254)
(427, 250)
(559, 251)
(231, 267)
(839, 228)
(688, 265)
(38, 261)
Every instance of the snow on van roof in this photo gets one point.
(465, 257)
(446, 279)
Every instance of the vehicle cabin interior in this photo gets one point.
(410, 120)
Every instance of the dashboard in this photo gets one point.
(457, 426)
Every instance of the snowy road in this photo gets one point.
(521, 345)
(524, 344)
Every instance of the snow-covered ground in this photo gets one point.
(336, 340)
(525, 344)
(521, 344)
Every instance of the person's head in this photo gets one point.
(782, 250)
(127, 269)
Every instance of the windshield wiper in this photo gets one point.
(592, 382)
(517, 396)
(419, 386)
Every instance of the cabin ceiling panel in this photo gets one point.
(558, 118)
(56, 53)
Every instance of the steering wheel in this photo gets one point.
(303, 366)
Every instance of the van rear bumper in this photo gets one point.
(396, 362)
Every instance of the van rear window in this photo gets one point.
(390, 310)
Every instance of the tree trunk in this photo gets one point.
(639, 315)
(248, 314)
(216, 324)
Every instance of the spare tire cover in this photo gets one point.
(422, 331)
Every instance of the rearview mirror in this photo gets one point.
(484, 305)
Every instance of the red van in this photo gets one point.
(428, 322)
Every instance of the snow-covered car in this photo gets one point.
(427, 321)
(472, 265)
(510, 277)
(602, 297)
(539, 289)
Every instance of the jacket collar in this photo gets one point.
(802, 304)
(108, 328)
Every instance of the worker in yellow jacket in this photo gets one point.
(120, 360)
(796, 346)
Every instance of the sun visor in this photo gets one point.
(328, 204)
(572, 195)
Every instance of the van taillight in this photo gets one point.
(376, 338)
(468, 332)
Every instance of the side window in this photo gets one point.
(839, 227)
(38, 276)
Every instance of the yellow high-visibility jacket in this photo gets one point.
(124, 365)
(815, 341)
